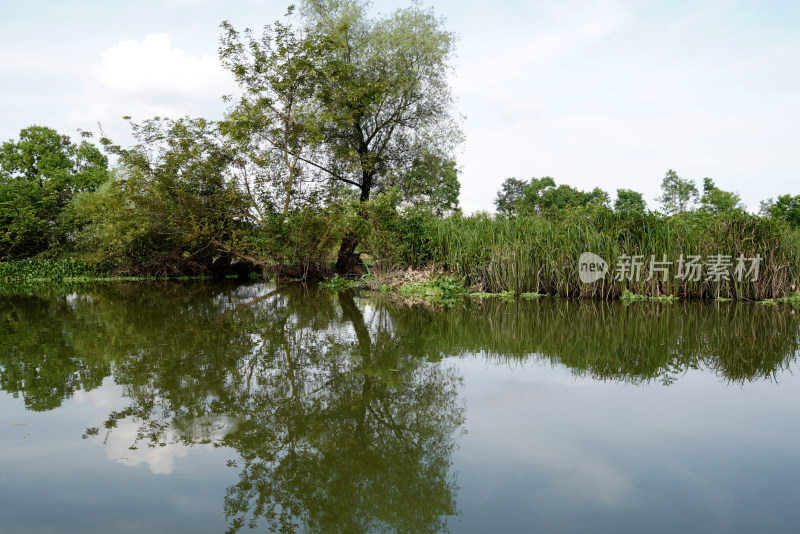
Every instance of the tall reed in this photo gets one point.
(540, 253)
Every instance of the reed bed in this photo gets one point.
(540, 253)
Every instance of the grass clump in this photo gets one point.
(338, 284)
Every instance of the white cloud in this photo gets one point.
(151, 78)
(155, 68)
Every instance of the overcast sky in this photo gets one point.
(592, 93)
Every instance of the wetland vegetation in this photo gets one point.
(340, 148)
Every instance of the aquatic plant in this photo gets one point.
(338, 284)
(441, 289)
(44, 269)
(539, 253)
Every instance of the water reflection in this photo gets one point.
(343, 410)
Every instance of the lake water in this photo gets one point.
(221, 407)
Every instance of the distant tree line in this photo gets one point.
(678, 195)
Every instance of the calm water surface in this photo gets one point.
(221, 407)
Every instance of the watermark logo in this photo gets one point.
(694, 268)
(591, 267)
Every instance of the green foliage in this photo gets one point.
(677, 194)
(337, 284)
(429, 184)
(629, 202)
(787, 208)
(717, 201)
(792, 298)
(541, 195)
(444, 289)
(39, 175)
(507, 296)
(305, 238)
(510, 192)
(393, 236)
(276, 123)
(42, 269)
(627, 296)
(171, 208)
(532, 295)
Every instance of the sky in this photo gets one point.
(595, 93)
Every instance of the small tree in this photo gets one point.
(787, 207)
(717, 201)
(678, 194)
(629, 202)
(174, 205)
(509, 194)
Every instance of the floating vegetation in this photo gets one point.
(532, 296)
(627, 296)
(40, 269)
(442, 289)
(507, 296)
(792, 298)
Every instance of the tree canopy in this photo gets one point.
(629, 202)
(787, 207)
(717, 201)
(677, 194)
(40, 173)
(541, 195)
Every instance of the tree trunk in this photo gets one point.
(346, 259)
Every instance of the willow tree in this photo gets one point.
(385, 92)
(378, 88)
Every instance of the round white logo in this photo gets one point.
(591, 268)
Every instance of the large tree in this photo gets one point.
(39, 175)
(380, 93)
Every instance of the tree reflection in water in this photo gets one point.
(345, 413)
